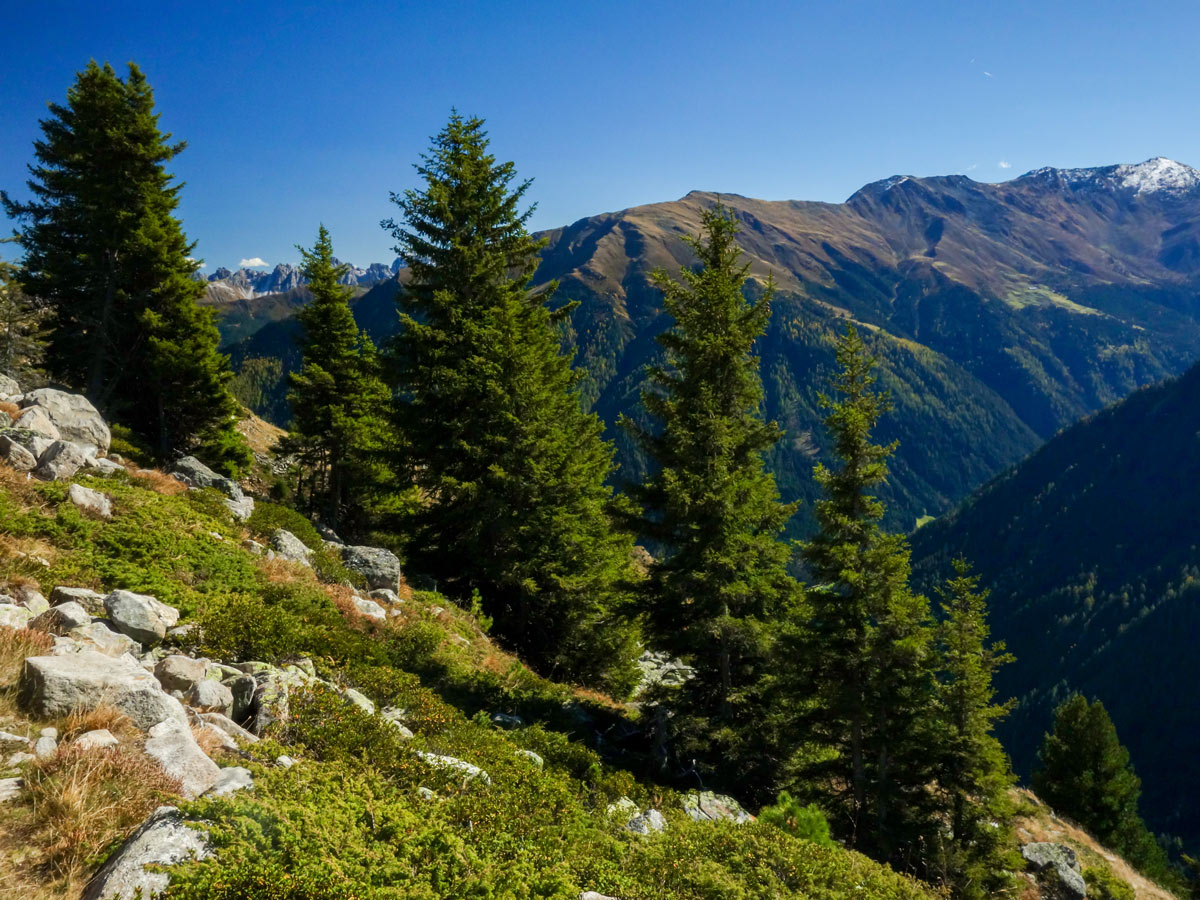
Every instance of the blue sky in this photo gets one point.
(300, 113)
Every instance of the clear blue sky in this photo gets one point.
(299, 113)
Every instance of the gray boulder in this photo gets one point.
(45, 747)
(290, 547)
(162, 840)
(180, 673)
(38, 421)
(55, 686)
(140, 616)
(98, 636)
(12, 616)
(223, 723)
(385, 595)
(31, 598)
(369, 608)
(61, 619)
(172, 746)
(380, 567)
(649, 822)
(88, 599)
(17, 455)
(11, 789)
(60, 462)
(705, 806)
(90, 501)
(211, 696)
(196, 474)
(360, 700)
(455, 765)
(99, 739)
(9, 387)
(592, 895)
(535, 758)
(105, 467)
(74, 416)
(230, 781)
(10, 742)
(1058, 863)
(241, 509)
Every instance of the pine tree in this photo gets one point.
(105, 252)
(1086, 774)
(865, 660)
(973, 771)
(338, 397)
(512, 469)
(714, 509)
(22, 328)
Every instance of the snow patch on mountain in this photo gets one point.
(1154, 176)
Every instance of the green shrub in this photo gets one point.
(1103, 884)
(267, 518)
(130, 446)
(805, 822)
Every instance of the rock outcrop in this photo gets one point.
(1056, 864)
(162, 840)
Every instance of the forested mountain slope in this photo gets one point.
(1001, 312)
(1091, 550)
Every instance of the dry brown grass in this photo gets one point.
(11, 408)
(209, 740)
(157, 481)
(103, 716)
(80, 801)
(15, 645)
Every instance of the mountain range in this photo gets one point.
(1000, 313)
(225, 285)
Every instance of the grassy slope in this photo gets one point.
(348, 819)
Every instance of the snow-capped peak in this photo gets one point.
(1154, 176)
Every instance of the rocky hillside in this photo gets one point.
(1090, 549)
(201, 694)
(1000, 312)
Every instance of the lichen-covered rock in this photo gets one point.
(534, 758)
(180, 673)
(74, 416)
(56, 686)
(649, 822)
(88, 599)
(1058, 862)
(290, 547)
(90, 501)
(230, 781)
(60, 619)
(162, 840)
(380, 567)
(98, 636)
(241, 508)
(140, 616)
(705, 806)
(13, 616)
(37, 420)
(453, 764)
(173, 747)
(369, 608)
(210, 696)
(16, 454)
(60, 462)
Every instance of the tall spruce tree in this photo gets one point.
(338, 397)
(714, 510)
(973, 772)
(512, 469)
(105, 252)
(1086, 773)
(22, 328)
(865, 664)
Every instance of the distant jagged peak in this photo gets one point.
(1158, 175)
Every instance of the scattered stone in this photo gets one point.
(592, 895)
(89, 600)
(396, 716)
(426, 794)
(504, 720)
(45, 747)
(9, 741)
(1059, 862)
(180, 632)
(105, 467)
(20, 759)
(222, 740)
(140, 616)
(60, 619)
(253, 546)
(192, 472)
(60, 462)
(172, 745)
(230, 781)
(380, 567)
(285, 761)
(49, 731)
(11, 789)
(369, 608)
(37, 420)
(233, 729)
(54, 686)
(211, 696)
(100, 739)
(534, 758)
(90, 501)
(179, 673)
(623, 806)
(458, 765)
(241, 509)
(290, 547)
(101, 637)
(74, 416)
(385, 595)
(162, 840)
(16, 455)
(460, 640)
(660, 668)
(705, 806)
(649, 822)
(13, 616)
(31, 598)
(359, 700)
(9, 387)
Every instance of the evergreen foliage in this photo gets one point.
(1086, 774)
(714, 509)
(973, 774)
(22, 328)
(338, 398)
(104, 250)
(865, 659)
(511, 469)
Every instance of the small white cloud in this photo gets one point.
(256, 262)
(1004, 164)
(989, 74)
(972, 167)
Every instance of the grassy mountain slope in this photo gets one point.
(1010, 309)
(1091, 550)
(351, 819)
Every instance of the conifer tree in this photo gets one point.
(973, 772)
(512, 469)
(1086, 774)
(865, 661)
(714, 509)
(105, 252)
(338, 397)
(22, 329)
